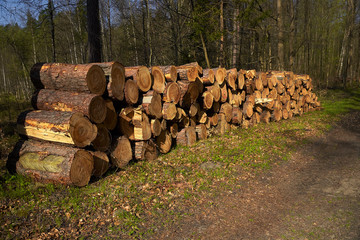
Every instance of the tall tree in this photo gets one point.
(94, 31)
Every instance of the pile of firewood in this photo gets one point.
(92, 116)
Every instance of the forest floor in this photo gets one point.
(293, 179)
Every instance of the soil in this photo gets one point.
(313, 195)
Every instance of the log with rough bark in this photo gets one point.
(189, 92)
(91, 105)
(101, 163)
(201, 131)
(171, 92)
(141, 76)
(52, 163)
(115, 75)
(231, 78)
(131, 92)
(63, 127)
(186, 137)
(111, 118)
(121, 152)
(102, 141)
(208, 77)
(220, 74)
(193, 65)
(170, 73)
(152, 104)
(164, 141)
(89, 78)
(158, 79)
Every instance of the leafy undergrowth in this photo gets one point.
(146, 196)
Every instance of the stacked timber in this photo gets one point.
(89, 117)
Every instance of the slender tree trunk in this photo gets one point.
(292, 36)
(52, 28)
(222, 54)
(280, 36)
(133, 32)
(148, 30)
(235, 40)
(94, 31)
(110, 31)
(3, 73)
(205, 50)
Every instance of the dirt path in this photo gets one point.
(315, 195)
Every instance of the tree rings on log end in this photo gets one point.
(97, 110)
(95, 79)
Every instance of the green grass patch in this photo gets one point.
(146, 195)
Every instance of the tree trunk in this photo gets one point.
(94, 31)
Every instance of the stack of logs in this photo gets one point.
(90, 116)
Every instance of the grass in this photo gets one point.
(150, 195)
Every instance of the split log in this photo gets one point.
(52, 163)
(91, 105)
(164, 141)
(101, 163)
(170, 73)
(208, 77)
(131, 92)
(64, 127)
(115, 76)
(158, 79)
(125, 125)
(171, 92)
(208, 100)
(141, 76)
(111, 118)
(102, 141)
(121, 152)
(142, 127)
(186, 137)
(169, 111)
(201, 131)
(89, 78)
(152, 104)
(250, 74)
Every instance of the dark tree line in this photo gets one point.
(320, 38)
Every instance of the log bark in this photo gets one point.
(265, 116)
(63, 127)
(111, 118)
(170, 73)
(115, 76)
(208, 77)
(158, 79)
(141, 76)
(89, 78)
(91, 105)
(52, 163)
(121, 152)
(152, 104)
(171, 93)
(236, 116)
(188, 72)
(186, 137)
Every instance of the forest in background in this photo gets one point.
(316, 37)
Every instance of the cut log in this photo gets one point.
(89, 78)
(241, 79)
(276, 115)
(220, 74)
(248, 109)
(259, 81)
(151, 152)
(226, 109)
(265, 116)
(195, 108)
(207, 100)
(201, 117)
(52, 163)
(265, 93)
(236, 116)
(125, 125)
(131, 92)
(231, 78)
(121, 152)
(250, 74)
(186, 137)
(285, 114)
(208, 77)
(90, 105)
(192, 65)
(164, 141)
(187, 73)
(101, 163)
(174, 130)
(63, 127)
(115, 76)
(163, 124)
(152, 104)
(223, 125)
(102, 141)
(141, 76)
(169, 111)
(171, 93)
(189, 93)
(158, 79)
(201, 131)
(170, 73)
(215, 91)
(155, 127)
(185, 122)
(223, 93)
(214, 119)
(142, 127)
(111, 118)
